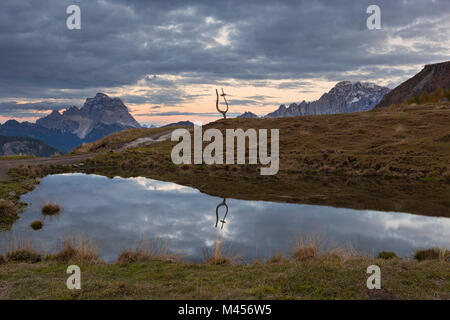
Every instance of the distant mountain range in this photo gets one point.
(99, 117)
(431, 77)
(10, 146)
(248, 114)
(344, 97)
(179, 124)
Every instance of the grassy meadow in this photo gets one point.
(399, 154)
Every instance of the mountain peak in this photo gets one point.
(96, 112)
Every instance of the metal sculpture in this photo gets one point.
(224, 113)
(222, 204)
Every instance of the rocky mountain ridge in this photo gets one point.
(344, 97)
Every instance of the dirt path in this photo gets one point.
(5, 165)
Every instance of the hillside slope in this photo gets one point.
(10, 146)
(430, 78)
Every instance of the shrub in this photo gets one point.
(413, 99)
(305, 253)
(437, 95)
(2, 259)
(386, 255)
(7, 209)
(447, 94)
(50, 209)
(276, 259)
(428, 254)
(424, 97)
(36, 225)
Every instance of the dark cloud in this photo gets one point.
(23, 110)
(208, 42)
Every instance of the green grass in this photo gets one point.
(317, 278)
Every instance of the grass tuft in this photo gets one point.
(147, 251)
(36, 225)
(278, 258)
(50, 209)
(78, 249)
(306, 248)
(386, 255)
(22, 251)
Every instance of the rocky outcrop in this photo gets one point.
(430, 78)
(345, 97)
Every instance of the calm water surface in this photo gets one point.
(119, 213)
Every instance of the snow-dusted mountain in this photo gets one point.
(97, 114)
(344, 97)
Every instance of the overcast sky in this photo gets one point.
(165, 58)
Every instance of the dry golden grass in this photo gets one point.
(307, 247)
(278, 258)
(216, 255)
(22, 251)
(77, 249)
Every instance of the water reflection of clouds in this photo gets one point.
(161, 186)
(117, 213)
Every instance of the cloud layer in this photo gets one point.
(154, 52)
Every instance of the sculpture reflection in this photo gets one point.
(222, 204)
